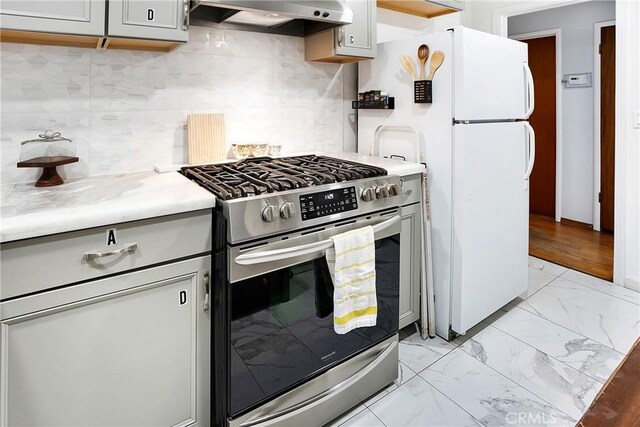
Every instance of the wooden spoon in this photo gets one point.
(423, 54)
(436, 61)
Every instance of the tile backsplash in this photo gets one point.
(126, 110)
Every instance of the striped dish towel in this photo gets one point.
(352, 267)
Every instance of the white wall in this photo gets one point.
(126, 110)
(576, 23)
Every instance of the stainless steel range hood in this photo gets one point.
(291, 17)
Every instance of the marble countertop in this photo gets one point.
(27, 211)
(392, 166)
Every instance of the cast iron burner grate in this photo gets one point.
(254, 176)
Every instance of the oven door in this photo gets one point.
(282, 310)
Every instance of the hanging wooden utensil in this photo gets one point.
(436, 61)
(408, 65)
(423, 54)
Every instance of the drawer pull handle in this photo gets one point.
(129, 248)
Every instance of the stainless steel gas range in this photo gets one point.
(276, 358)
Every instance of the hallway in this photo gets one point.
(571, 245)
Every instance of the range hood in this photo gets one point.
(291, 17)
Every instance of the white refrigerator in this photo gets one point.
(479, 149)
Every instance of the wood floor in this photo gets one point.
(618, 404)
(572, 245)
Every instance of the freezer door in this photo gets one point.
(490, 219)
(492, 80)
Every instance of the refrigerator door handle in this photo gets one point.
(531, 139)
(530, 90)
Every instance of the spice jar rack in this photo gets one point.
(374, 100)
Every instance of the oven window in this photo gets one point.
(282, 326)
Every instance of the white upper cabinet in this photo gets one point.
(114, 24)
(426, 9)
(149, 19)
(348, 43)
(80, 17)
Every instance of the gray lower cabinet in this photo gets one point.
(121, 351)
(410, 250)
(108, 326)
(348, 43)
(149, 19)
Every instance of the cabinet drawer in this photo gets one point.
(34, 265)
(411, 189)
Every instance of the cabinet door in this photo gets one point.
(410, 264)
(149, 19)
(80, 17)
(359, 37)
(123, 351)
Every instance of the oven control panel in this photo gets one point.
(330, 202)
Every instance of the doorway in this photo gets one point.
(606, 74)
(542, 61)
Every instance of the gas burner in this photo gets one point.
(252, 177)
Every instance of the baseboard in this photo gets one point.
(574, 223)
(632, 283)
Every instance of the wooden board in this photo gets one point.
(618, 404)
(542, 61)
(207, 142)
(607, 125)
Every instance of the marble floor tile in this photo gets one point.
(537, 280)
(338, 421)
(404, 375)
(487, 395)
(417, 403)
(586, 355)
(4, 189)
(546, 266)
(461, 339)
(365, 418)
(562, 386)
(601, 285)
(596, 315)
(417, 353)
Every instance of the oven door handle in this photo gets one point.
(327, 393)
(309, 248)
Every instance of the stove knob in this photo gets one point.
(286, 210)
(393, 190)
(382, 192)
(270, 213)
(368, 194)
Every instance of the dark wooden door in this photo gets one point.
(607, 124)
(542, 61)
